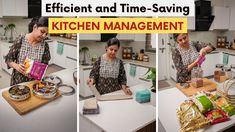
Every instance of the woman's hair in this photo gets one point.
(39, 21)
(113, 41)
(175, 35)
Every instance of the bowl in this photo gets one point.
(44, 89)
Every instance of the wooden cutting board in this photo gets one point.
(33, 102)
(207, 86)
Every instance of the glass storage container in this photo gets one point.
(197, 77)
(219, 73)
(233, 70)
(228, 72)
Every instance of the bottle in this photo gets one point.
(141, 55)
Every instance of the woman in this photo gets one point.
(108, 73)
(31, 45)
(186, 56)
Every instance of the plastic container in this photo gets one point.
(197, 77)
(143, 96)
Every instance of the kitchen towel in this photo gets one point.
(132, 71)
(60, 48)
(225, 59)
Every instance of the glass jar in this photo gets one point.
(197, 77)
(228, 72)
(233, 70)
(218, 73)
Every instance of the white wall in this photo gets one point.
(21, 24)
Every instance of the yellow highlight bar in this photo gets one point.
(117, 25)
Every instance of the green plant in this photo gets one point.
(151, 74)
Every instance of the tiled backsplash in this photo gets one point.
(98, 48)
(207, 37)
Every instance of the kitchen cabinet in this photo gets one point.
(14, 8)
(140, 73)
(140, 37)
(231, 59)
(71, 57)
(5, 47)
(191, 23)
(94, 37)
(232, 19)
(84, 90)
(67, 59)
(59, 58)
(0, 8)
(51, 47)
(209, 64)
(221, 20)
(129, 37)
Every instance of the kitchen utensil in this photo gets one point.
(108, 97)
(19, 92)
(53, 79)
(66, 89)
(23, 107)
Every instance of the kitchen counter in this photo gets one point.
(64, 40)
(169, 101)
(224, 50)
(119, 116)
(133, 62)
(59, 115)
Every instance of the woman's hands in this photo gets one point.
(126, 90)
(90, 82)
(203, 52)
(19, 67)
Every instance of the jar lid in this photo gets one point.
(219, 65)
(66, 89)
(226, 69)
(53, 79)
(233, 66)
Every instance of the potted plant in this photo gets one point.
(151, 74)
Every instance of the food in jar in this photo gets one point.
(197, 82)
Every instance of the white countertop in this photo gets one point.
(59, 115)
(169, 100)
(122, 115)
(64, 40)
